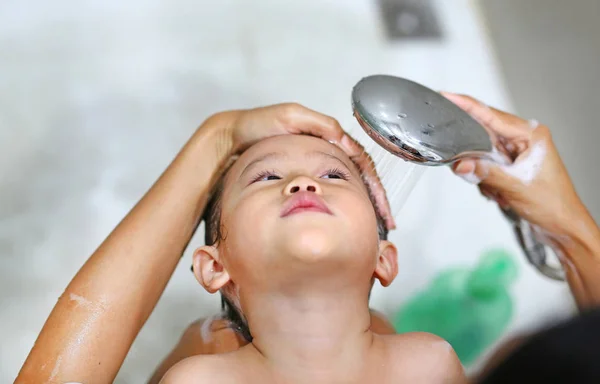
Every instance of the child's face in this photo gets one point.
(335, 219)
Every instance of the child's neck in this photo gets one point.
(313, 334)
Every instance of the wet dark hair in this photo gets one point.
(213, 233)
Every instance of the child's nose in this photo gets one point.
(302, 183)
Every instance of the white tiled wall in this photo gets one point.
(97, 96)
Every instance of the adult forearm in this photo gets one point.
(95, 321)
(579, 250)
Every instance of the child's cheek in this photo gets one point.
(248, 227)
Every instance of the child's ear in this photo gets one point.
(208, 270)
(387, 263)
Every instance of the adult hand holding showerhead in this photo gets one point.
(537, 186)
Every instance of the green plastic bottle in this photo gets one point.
(468, 308)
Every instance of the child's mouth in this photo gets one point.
(304, 202)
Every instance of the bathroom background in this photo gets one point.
(96, 97)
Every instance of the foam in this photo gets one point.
(205, 328)
(56, 368)
(80, 300)
(533, 123)
(94, 310)
(498, 157)
(527, 169)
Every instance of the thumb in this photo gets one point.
(493, 175)
(486, 173)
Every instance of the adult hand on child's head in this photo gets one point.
(536, 185)
(246, 127)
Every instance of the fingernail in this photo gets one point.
(465, 166)
(460, 168)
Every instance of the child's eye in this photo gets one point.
(266, 176)
(336, 173)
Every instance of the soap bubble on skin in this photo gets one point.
(205, 328)
(527, 168)
(533, 123)
(499, 157)
(79, 299)
(56, 368)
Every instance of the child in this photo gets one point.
(294, 244)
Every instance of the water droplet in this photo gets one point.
(430, 125)
(402, 115)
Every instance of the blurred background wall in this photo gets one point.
(96, 97)
(549, 52)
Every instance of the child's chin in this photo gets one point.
(312, 243)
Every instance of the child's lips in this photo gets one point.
(304, 202)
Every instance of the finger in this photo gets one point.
(499, 122)
(476, 171)
(297, 119)
(497, 178)
(464, 166)
(512, 148)
(466, 170)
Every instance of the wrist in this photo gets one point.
(216, 133)
(207, 151)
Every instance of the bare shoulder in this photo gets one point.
(199, 370)
(424, 356)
